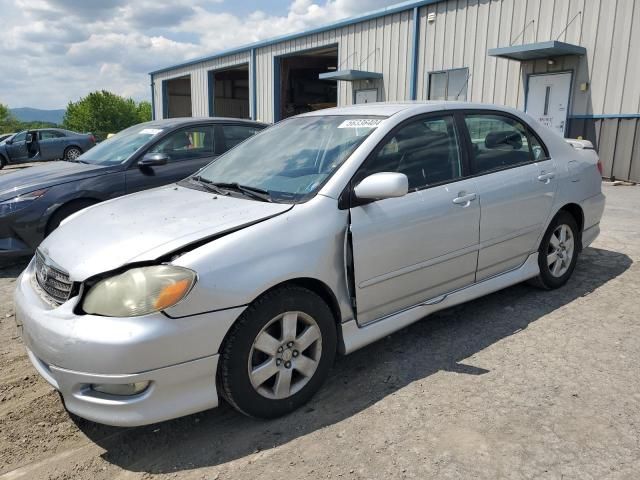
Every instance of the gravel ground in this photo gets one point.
(520, 384)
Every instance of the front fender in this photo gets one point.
(305, 242)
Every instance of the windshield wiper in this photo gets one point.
(208, 185)
(253, 192)
(223, 188)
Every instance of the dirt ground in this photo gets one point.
(521, 384)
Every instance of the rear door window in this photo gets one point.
(499, 142)
(50, 134)
(235, 134)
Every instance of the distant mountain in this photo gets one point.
(36, 115)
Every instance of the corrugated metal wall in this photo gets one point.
(618, 141)
(199, 82)
(460, 36)
(464, 30)
(379, 45)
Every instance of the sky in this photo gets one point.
(56, 51)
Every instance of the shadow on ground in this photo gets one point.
(440, 342)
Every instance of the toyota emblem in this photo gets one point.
(43, 274)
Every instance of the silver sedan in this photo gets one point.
(319, 235)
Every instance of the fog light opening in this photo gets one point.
(121, 389)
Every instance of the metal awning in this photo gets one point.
(349, 75)
(535, 51)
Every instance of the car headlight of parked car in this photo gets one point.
(21, 201)
(139, 291)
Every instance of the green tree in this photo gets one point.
(101, 113)
(7, 122)
(144, 111)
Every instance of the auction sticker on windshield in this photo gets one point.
(150, 131)
(361, 123)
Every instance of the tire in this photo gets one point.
(71, 153)
(65, 211)
(262, 328)
(3, 162)
(557, 257)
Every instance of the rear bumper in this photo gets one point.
(593, 208)
(589, 235)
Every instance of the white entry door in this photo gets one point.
(548, 99)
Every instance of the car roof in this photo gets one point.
(388, 109)
(175, 122)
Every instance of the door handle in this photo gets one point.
(464, 198)
(546, 177)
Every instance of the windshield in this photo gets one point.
(119, 148)
(292, 159)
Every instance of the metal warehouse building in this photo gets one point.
(572, 64)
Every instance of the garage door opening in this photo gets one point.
(177, 97)
(300, 88)
(230, 92)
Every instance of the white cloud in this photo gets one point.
(56, 51)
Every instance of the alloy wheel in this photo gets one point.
(285, 355)
(560, 250)
(72, 154)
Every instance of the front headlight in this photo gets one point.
(139, 291)
(21, 201)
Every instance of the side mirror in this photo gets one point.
(29, 138)
(382, 185)
(8, 141)
(153, 160)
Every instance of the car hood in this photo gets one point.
(46, 175)
(147, 225)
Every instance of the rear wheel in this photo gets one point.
(72, 153)
(558, 252)
(3, 162)
(279, 353)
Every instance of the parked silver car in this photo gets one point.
(319, 235)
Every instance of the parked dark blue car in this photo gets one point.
(44, 144)
(34, 201)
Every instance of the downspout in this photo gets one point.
(165, 100)
(413, 86)
(153, 99)
(211, 93)
(254, 82)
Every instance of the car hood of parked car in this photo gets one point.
(47, 175)
(146, 226)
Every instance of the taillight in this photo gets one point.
(599, 165)
(93, 139)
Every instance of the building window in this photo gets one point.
(449, 84)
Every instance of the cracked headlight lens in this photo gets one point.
(21, 201)
(139, 291)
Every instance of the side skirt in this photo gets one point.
(355, 336)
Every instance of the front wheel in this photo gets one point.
(279, 353)
(558, 252)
